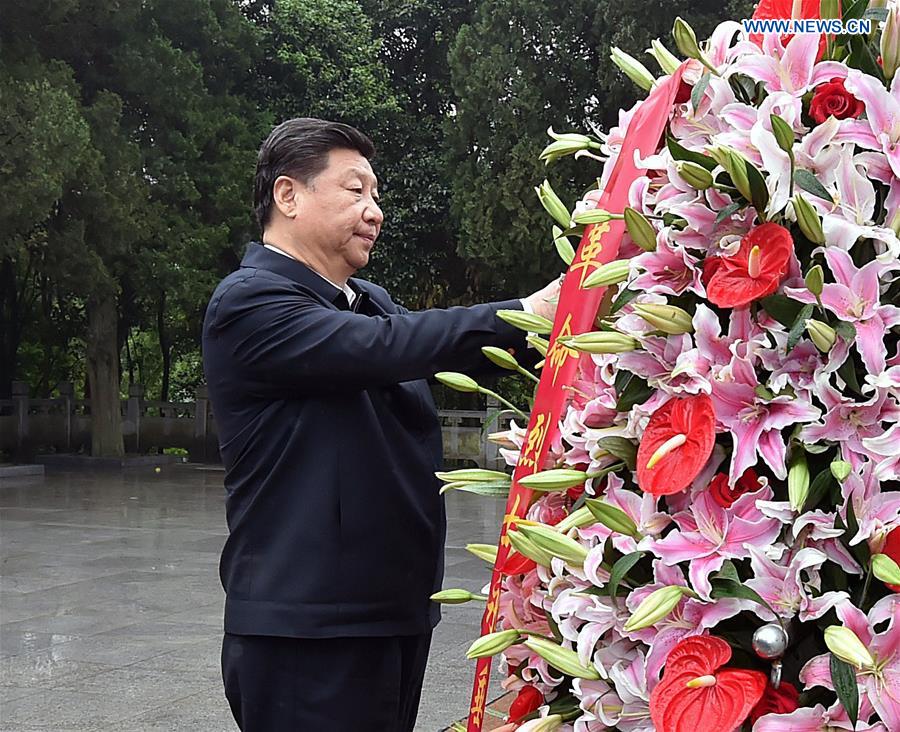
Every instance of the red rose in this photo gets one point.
(695, 695)
(676, 444)
(833, 100)
(528, 701)
(725, 495)
(755, 271)
(892, 549)
(782, 700)
(684, 93)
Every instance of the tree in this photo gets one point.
(520, 67)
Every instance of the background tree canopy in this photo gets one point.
(129, 130)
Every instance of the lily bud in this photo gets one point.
(847, 646)
(614, 519)
(822, 334)
(808, 220)
(737, 169)
(669, 319)
(562, 659)
(492, 643)
(530, 322)
(456, 381)
(886, 569)
(694, 174)
(815, 280)
(544, 724)
(563, 246)
(784, 134)
(633, 69)
(578, 519)
(566, 144)
(487, 552)
(657, 605)
(540, 344)
(600, 341)
(472, 475)
(798, 481)
(455, 597)
(553, 205)
(560, 479)
(830, 9)
(527, 548)
(608, 274)
(686, 39)
(841, 470)
(555, 544)
(667, 61)
(890, 43)
(500, 357)
(595, 216)
(640, 229)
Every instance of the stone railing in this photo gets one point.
(63, 425)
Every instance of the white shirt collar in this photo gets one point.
(346, 289)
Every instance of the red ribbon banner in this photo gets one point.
(575, 314)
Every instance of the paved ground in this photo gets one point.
(110, 612)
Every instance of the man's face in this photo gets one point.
(338, 214)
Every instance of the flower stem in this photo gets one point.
(488, 392)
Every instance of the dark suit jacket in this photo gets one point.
(330, 441)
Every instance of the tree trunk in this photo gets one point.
(103, 375)
(165, 347)
(10, 327)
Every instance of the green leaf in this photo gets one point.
(728, 211)
(730, 588)
(637, 392)
(782, 308)
(809, 183)
(728, 572)
(855, 9)
(679, 152)
(847, 331)
(622, 448)
(844, 679)
(799, 327)
(847, 371)
(620, 569)
(817, 489)
(699, 90)
(622, 299)
(759, 194)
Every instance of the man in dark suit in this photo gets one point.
(330, 441)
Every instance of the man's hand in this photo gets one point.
(544, 301)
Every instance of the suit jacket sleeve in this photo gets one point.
(280, 339)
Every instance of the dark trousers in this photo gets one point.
(316, 685)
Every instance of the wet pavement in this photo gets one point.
(111, 607)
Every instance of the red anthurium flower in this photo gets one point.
(833, 100)
(756, 269)
(774, 9)
(676, 444)
(892, 549)
(528, 701)
(725, 495)
(516, 564)
(694, 695)
(783, 700)
(711, 265)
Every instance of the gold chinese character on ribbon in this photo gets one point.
(558, 354)
(587, 257)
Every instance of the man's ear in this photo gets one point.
(285, 195)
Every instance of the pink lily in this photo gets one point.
(886, 449)
(669, 270)
(854, 298)
(877, 512)
(816, 530)
(881, 681)
(792, 68)
(709, 534)
(785, 590)
(881, 128)
(846, 421)
(819, 719)
(755, 423)
(669, 364)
